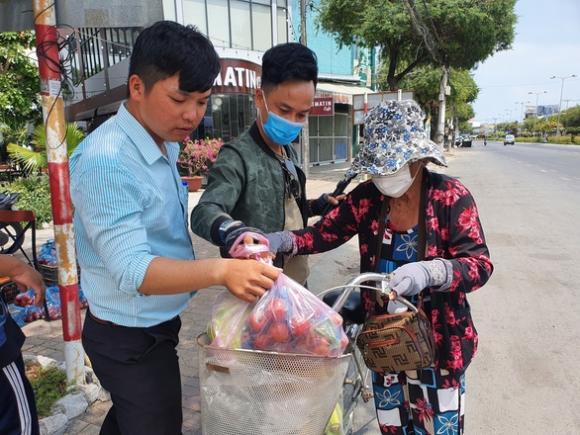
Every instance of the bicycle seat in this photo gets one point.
(352, 312)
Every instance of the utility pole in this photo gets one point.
(537, 94)
(49, 67)
(305, 129)
(560, 104)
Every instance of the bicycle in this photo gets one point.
(243, 391)
(356, 383)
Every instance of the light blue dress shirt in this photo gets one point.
(130, 207)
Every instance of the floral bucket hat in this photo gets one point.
(394, 135)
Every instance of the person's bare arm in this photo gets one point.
(245, 279)
(23, 275)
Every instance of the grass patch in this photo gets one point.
(48, 384)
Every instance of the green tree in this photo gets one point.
(19, 82)
(571, 117)
(424, 82)
(36, 158)
(464, 32)
(530, 125)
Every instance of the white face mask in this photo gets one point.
(397, 184)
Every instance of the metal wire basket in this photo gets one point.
(267, 393)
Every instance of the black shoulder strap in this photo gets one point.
(381, 234)
(421, 245)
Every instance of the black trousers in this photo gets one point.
(17, 407)
(140, 368)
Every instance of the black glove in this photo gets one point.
(230, 230)
(319, 204)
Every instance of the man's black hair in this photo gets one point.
(167, 48)
(289, 62)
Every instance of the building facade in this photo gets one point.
(241, 31)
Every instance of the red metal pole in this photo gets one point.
(56, 147)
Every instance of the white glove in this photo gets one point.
(410, 279)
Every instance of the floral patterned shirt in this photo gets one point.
(452, 231)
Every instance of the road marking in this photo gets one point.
(565, 179)
(543, 170)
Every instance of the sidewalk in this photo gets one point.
(45, 338)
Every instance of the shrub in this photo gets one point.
(197, 156)
(577, 140)
(532, 139)
(34, 195)
(560, 139)
(49, 385)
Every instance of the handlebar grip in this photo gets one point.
(339, 189)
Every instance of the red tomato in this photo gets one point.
(300, 327)
(277, 309)
(262, 342)
(257, 321)
(321, 347)
(279, 332)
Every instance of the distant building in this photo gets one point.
(541, 111)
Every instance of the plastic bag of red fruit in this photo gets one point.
(287, 319)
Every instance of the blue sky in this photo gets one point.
(547, 43)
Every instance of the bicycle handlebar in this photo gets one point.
(356, 283)
(353, 283)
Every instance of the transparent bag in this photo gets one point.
(287, 319)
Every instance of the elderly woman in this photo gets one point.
(424, 228)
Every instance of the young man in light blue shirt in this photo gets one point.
(133, 245)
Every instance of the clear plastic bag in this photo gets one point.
(287, 319)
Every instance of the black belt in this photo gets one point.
(101, 321)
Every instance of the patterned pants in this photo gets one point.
(422, 402)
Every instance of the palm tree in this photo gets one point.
(35, 159)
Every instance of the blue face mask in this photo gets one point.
(279, 130)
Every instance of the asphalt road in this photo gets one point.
(526, 377)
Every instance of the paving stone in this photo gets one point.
(76, 427)
(73, 404)
(53, 425)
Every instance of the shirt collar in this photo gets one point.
(139, 136)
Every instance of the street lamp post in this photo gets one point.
(560, 104)
(537, 94)
(521, 103)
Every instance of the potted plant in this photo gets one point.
(196, 158)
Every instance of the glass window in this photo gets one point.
(262, 26)
(313, 150)
(282, 26)
(226, 119)
(282, 3)
(194, 13)
(325, 126)
(340, 125)
(240, 17)
(264, 2)
(218, 22)
(325, 151)
(313, 126)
